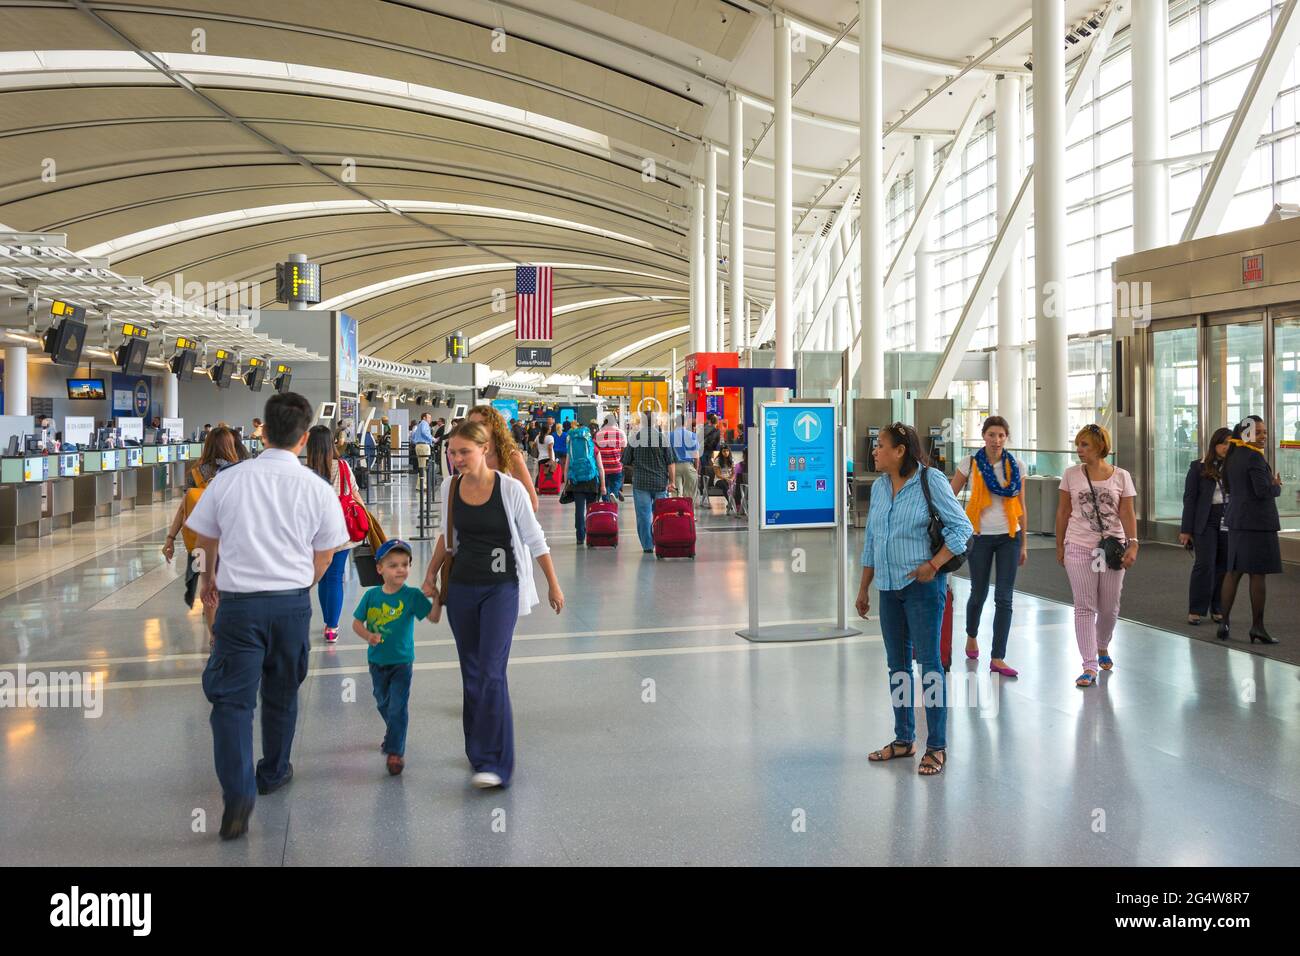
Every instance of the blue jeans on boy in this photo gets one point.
(392, 687)
(984, 552)
(910, 621)
(330, 589)
(261, 639)
(581, 501)
(645, 507)
(614, 483)
(482, 619)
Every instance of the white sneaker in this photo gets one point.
(485, 781)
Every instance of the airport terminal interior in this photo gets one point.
(759, 240)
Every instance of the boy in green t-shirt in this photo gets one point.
(385, 618)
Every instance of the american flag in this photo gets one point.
(533, 303)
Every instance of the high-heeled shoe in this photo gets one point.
(1261, 635)
(1222, 632)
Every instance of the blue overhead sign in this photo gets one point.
(801, 475)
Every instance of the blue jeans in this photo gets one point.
(482, 619)
(330, 589)
(614, 483)
(984, 551)
(581, 501)
(261, 639)
(392, 686)
(910, 622)
(645, 508)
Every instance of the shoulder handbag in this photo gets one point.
(355, 516)
(191, 499)
(444, 572)
(1111, 546)
(935, 528)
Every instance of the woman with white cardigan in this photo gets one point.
(490, 530)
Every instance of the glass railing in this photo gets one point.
(1036, 461)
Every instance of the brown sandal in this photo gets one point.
(892, 751)
(932, 763)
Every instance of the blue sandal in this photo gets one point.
(1105, 662)
(1086, 679)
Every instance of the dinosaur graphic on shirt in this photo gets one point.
(378, 618)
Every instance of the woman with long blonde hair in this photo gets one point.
(503, 454)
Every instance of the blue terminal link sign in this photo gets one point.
(801, 477)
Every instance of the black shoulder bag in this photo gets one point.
(1111, 546)
(935, 529)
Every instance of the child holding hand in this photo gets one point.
(385, 619)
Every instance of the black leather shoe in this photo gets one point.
(264, 788)
(1261, 635)
(234, 821)
(1222, 632)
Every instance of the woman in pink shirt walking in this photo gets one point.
(1096, 541)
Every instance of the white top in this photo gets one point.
(546, 447)
(270, 515)
(526, 537)
(1217, 499)
(993, 519)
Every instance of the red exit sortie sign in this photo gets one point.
(1252, 268)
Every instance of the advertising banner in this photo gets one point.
(347, 354)
(78, 430)
(132, 428)
(132, 395)
(508, 407)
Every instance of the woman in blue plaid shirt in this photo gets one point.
(897, 557)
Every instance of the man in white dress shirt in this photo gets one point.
(269, 528)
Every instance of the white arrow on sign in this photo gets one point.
(808, 422)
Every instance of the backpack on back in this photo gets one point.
(191, 499)
(582, 456)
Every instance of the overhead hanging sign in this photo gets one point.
(528, 357)
(802, 477)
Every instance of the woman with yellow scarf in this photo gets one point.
(996, 510)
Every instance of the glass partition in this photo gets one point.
(1285, 425)
(1174, 437)
(1235, 382)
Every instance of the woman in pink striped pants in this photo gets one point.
(1096, 501)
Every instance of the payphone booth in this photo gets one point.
(703, 396)
(870, 415)
(1206, 333)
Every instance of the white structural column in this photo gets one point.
(922, 176)
(736, 210)
(784, 213)
(1150, 90)
(851, 287)
(697, 268)
(710, 249)
(15, 381)
(1009, 360)
(871, 375)
(721, 324)
(839, 336)
(171, 404)
(1050, 270)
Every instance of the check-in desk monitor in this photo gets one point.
(70, 465)
(164, 454)
(135, 457)
(36, 468)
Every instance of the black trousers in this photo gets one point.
(1211, 550)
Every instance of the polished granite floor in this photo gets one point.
(1186, 754)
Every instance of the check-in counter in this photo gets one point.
(39, 493)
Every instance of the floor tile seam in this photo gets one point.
(597, 656)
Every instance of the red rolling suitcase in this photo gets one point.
(602, 525)
(673, 527)
(945, 633)
(548, 486)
